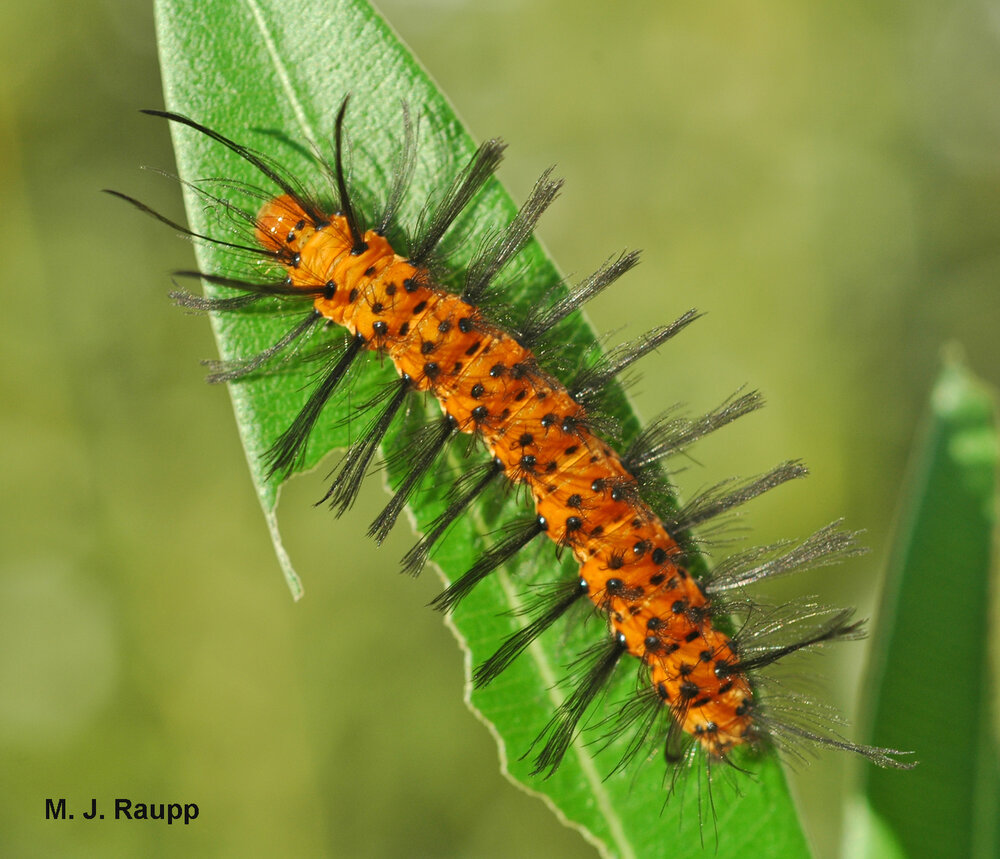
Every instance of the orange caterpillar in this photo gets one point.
(612, 509)
(539, 434)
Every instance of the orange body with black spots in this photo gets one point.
(490, 384)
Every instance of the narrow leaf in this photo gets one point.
(271, 75)
(932, 686)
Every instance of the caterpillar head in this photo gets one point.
(283, 225)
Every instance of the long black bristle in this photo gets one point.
(591, 382)
(677, 741)
(521, 533)
(876, 754)
(642, 716)
(270, 170)
(479, 169)
(163, 219)
(669, 434)
(230, 371)
(561, 729)
(828, 545)
(283, 288)
(565, 597)
(353, 467)
(720, 498)
(841, 626)
(543, 321)
(465, 493)
(205, 304)
(253, 292)
(402, 172)
(347, 209)
(496, 254)
(288, 450)
(421, 454)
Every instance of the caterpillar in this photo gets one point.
(502, 382)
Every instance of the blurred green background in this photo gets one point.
(822, 179)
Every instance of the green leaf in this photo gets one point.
(933, 684)
(267, 73)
